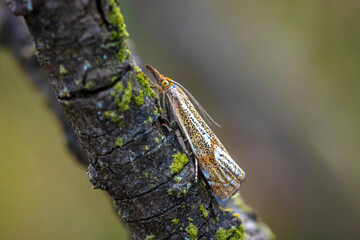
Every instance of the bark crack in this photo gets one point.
(162, 213)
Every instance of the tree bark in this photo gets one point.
(115, 115)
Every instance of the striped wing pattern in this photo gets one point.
(218, 168)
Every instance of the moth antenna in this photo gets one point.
(209, 119)
(158, 77)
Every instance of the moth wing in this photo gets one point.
(225, 176)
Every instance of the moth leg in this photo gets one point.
(167, 127)
(170, 111)
(182, 143)
(181, 140)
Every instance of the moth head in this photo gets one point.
(166, 83)
(162, 83)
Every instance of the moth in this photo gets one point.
(219, 170)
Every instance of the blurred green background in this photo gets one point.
(281, 77)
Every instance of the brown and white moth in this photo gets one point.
(220, 171)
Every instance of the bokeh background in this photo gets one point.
(281, 77)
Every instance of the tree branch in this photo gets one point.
(114, 113)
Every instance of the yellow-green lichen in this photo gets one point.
(62, 69)
(117, 19)
(118, 88)
(234, 233)
(190, 219)
(139, 99)
(179, 161)
(147, 148)
(204, 212)
(119, 34)
(192, 231)
(111, 115)
(175, 221)
(157, 140)
(119, 142)
(88, 85)
(123, 54)
(150, 237)
(144, 83)
(124, 101)
(238, 216)
(146, 174)
(177, 179)
(170, 192)
(156, 111)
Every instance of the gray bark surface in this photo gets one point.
(127, 149)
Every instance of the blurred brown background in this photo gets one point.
(281, 77)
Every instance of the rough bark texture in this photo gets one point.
(81, 45)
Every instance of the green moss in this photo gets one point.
(117, 19)
(144, 83)
(157, 140)
(147, 148)
(62, 69)
(179, 161)
(124, 101)
(177, 179)
(175, 221)
(204, 212)
(88, 85)
(77, 82)
(113, 79)
(170, 192)
(230, 234)
(66, 103)
(156, 111)
(118, 89)
(190, 219)
(119, 34)
(139, 99)
(111, 115)
(146, 174)
(150, 237)
(192, 231)
(122, 54)
(119, 142)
